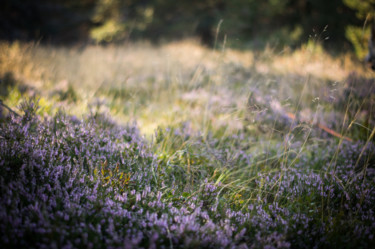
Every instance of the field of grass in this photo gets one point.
(180, 146)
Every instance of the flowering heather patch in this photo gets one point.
(70, 183)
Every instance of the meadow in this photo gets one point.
(181, 146)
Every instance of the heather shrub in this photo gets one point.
(71, 183)
(49, 182)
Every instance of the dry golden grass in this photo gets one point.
(176, 82)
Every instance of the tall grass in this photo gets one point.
(212, 160)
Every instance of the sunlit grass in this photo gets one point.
(175, 82)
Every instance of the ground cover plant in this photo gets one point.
(178, 146)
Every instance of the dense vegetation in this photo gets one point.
(89, 183)
(179, 146)
(242, 23)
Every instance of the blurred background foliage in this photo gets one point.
(344, 24)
